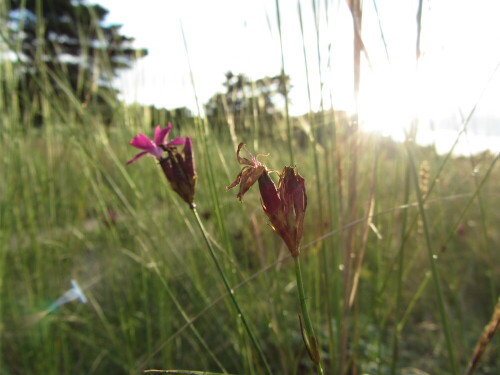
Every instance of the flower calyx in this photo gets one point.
(179, 169)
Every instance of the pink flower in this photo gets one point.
(154, 147)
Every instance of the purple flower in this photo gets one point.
(156, 146)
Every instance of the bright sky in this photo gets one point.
(460, 44)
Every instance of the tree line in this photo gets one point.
(63, 52)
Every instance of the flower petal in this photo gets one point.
(179, 141)
(236, 182)
(245, 161)
(249, 177)
(138, 156)
(142, 142)
(161, 135)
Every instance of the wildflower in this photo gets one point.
(178, 167)
(156, 146)
(180, 171)
(249, 174)
(285, 206)
(72, 294)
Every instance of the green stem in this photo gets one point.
(310, 338)
(399, 287)
(230, 290)
(434, 268)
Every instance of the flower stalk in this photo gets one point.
(230, 290)
(310, 340)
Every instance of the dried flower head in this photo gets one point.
(285, 206)
(249, 174)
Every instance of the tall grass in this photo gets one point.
(384, 298)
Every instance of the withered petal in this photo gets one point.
(236, 181)
(245, 161)
(249, 176)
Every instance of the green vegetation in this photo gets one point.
(63, 48)
(148, 272)
(399, 252)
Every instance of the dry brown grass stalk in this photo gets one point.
(423, 182)
(485, 339)
(368, 223)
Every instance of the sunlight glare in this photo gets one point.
(388, 101)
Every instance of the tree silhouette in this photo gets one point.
(64, 45)
(246, 102)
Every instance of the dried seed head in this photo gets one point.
(423, 182)
(285, 205)
(248, 175)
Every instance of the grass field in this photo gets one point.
(399, 253)
(155, 300)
